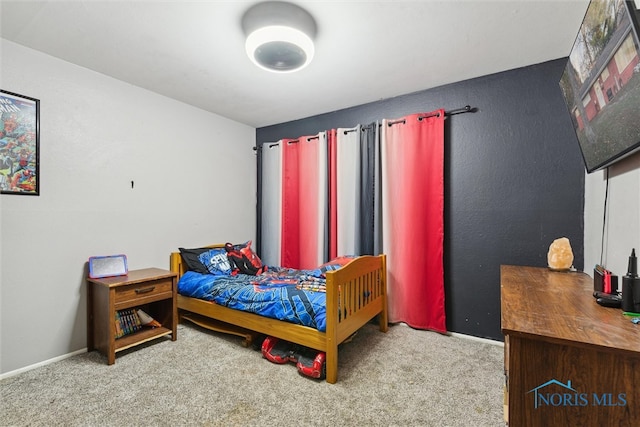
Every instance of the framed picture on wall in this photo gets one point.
(19, 144)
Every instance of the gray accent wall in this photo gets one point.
(514, 180)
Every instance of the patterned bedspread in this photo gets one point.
(296, 296)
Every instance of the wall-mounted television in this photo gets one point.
(601, 82)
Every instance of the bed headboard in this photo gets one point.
(176, 265)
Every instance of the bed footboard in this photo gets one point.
(356, 293)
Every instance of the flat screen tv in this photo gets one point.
(601, 82)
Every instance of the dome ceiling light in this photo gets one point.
(279, 36)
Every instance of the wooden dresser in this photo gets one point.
(568, 361)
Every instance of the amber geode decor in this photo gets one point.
(560, 255)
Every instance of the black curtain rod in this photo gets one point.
(465, 109)
(295, 141)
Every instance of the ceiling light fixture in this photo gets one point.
(279, 36)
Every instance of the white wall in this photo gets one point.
(622, 231)
(194, 179)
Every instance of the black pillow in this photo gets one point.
(190, 258)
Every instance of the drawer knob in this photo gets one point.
(145, 290)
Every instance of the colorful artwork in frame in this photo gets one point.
(19, 144)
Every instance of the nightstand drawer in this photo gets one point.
(142, 293)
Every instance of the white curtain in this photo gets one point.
(271, 203)
(348, 189)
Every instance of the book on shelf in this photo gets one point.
(134, 322)
(127, 317)
(127, 322)
(131, 320)
(119, 330)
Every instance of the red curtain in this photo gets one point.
(304, 201)
(412, 154)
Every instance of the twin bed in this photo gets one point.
(344, 299)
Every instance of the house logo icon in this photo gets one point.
(538, 396)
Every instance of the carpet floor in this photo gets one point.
(405, 377)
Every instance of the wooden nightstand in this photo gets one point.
(151, 289)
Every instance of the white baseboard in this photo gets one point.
(471, 337)
(43, 363)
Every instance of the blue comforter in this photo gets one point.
(295, 296)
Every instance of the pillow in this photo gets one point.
(244, 260)
(191, 258)
(216, 261)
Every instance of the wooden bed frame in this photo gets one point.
(359, 289)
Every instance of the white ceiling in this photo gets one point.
(365, 50)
